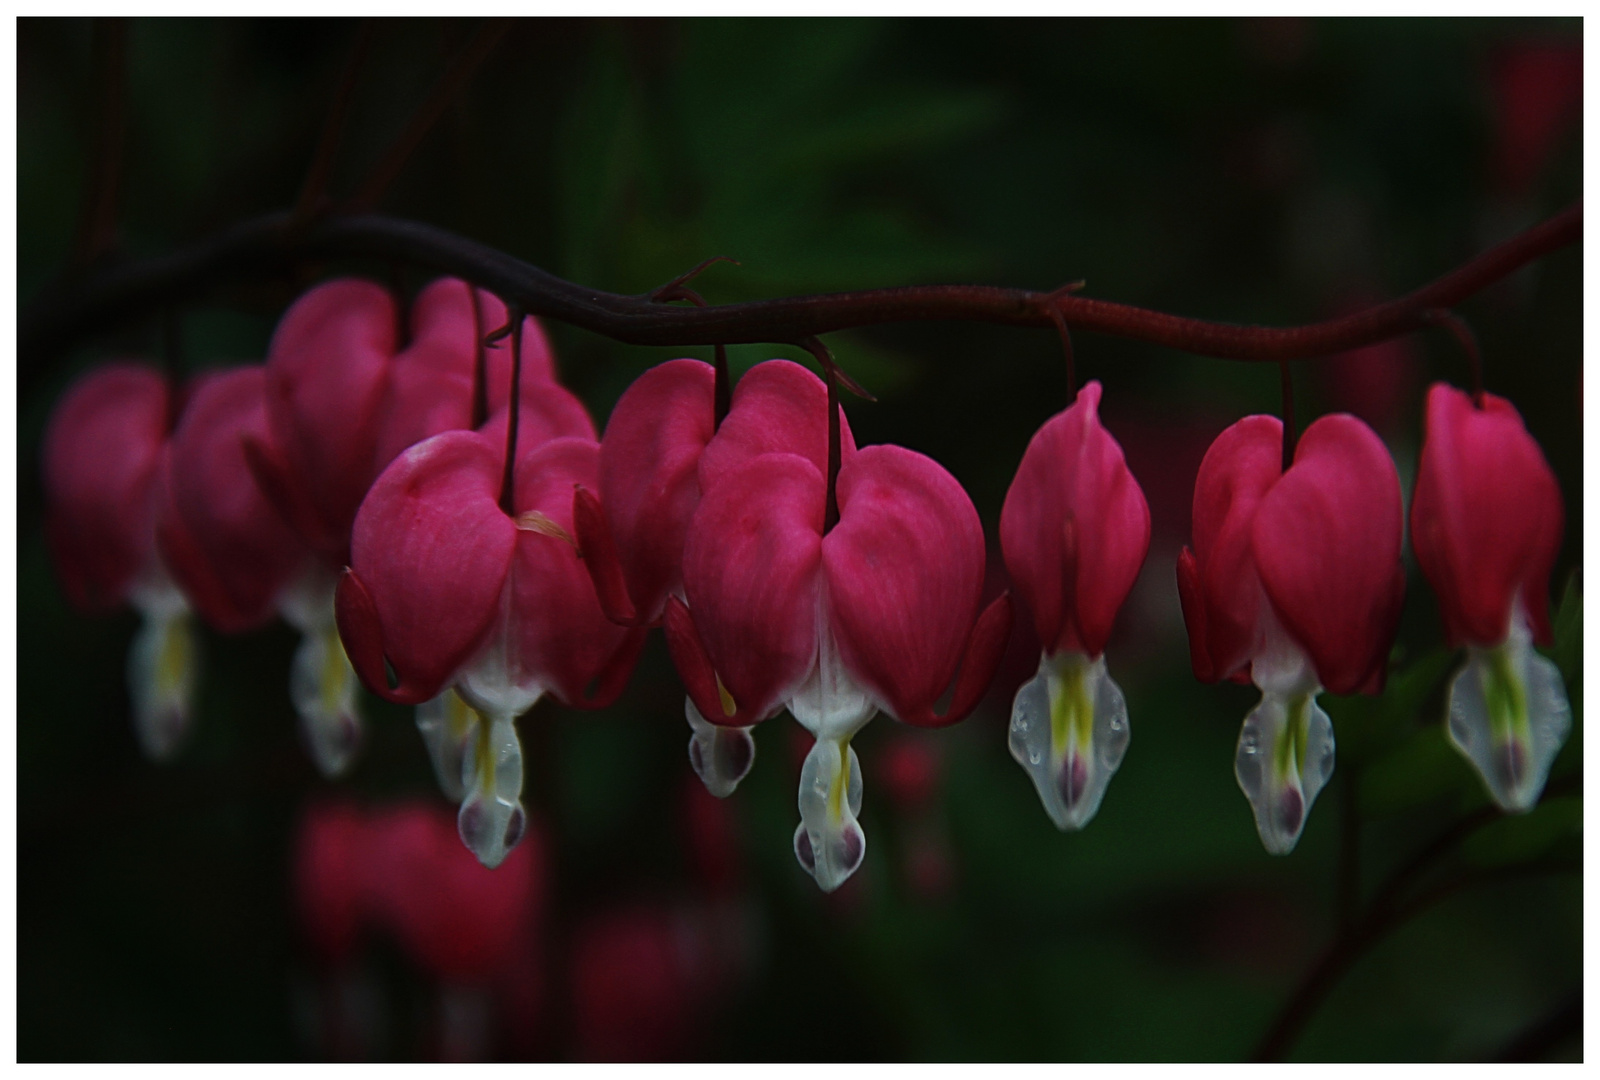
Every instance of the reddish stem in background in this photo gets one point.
(314, 189)
(722, 387)
(422, 121)
(1458, 328)
(1286, 385)
(508, 478)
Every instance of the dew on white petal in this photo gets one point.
(323, 687)
(1509, 715)
(830, 842)
(1281, 737)
(163, 669)
(1069, 732)
(721, 755)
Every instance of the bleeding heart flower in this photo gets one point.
(449, 589)
(662, 451)
(240, 562)
(101, 463)
(331, 878)
(1294, 583)
(343, 397)
(1486, 524)
(876, 614)
(1074, 530)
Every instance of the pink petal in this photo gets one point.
(1222, 601)
(102, 450)
(1326, 541)
(327, 372)
(750, 570)
(648, 480)
(1486, 517)
(330, 877)
(1074, 576)
(456, 919)
(778, 408)
(563, 637)
(904, 575)
(432, 548)
(226, 546)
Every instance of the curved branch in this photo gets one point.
(264, 246)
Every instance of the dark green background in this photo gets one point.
(1273, 172)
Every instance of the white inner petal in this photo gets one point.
(1509, 716)
(1069, 732)
(721, 755)
(829, 841)
(1284, 758)
(163, 670)
(323, 687)
(448, 726)
(492, 820)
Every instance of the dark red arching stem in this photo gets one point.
(74, 308)
(508, 478)
(1287, 386)
(480, 362)
(1458, 328)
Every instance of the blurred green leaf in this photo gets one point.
(1524, 837)
(1568, 625)
(1420, 770)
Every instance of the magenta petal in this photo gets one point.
(1326, 541)
(224, 542)
(1074, 577)
(1239, 468)
(778, 408)
(648, 481)
(750, 569)
(600, 559)
(327, 373)
(429, 384)
(564, 640)
(102, 451)
(1486, 517)
(904, 575)
(433, 549)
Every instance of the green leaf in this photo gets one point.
(1524, 837)
(1568, 649)
(1422, 769)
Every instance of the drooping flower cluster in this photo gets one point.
(432, 510)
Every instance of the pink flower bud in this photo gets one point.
(227, 547)
(1486, 517)
(343, 399)
(661, 453)
(102, 453)
(1316, 548)
(1074, 529)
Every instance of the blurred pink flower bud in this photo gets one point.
(102, 457)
